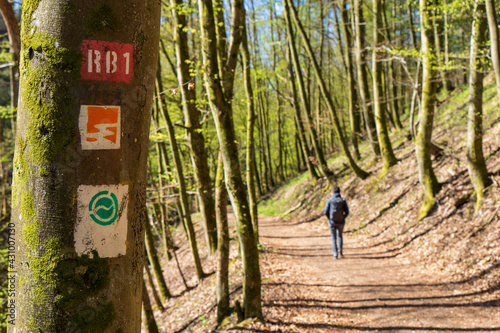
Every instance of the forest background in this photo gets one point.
(312, 79)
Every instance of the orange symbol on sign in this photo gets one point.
(99, 127)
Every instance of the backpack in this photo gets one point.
(337, 208)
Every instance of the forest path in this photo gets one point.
(370, 289)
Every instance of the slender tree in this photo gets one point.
(475, 157)
(324, 92)
(494, 38)
(219, 91)
(155, 262)
(301, 132)
(426, 174)
(250, 161)
(306, 105)
(184, 201)
(354, 115)
(194, 135)
(222, 292)
(380, 118)
(364, 92)
(68, 279)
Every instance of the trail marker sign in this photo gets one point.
(102, 220)
(107, 61)
(100, 127)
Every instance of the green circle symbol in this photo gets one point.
(103, 208)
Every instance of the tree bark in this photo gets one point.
(494, 37)
(250, 162)
(364, 92)
(184, 201)
(194, 136)
(222, 292)
(475, 157)
(155, 262)
(306, 106)
(378, 94)
(426, 174)
(220, 99)
(326, 94)
(354, 115)
(301, 133)
(68, 279)
(149, 317)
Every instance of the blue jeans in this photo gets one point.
(336, 231)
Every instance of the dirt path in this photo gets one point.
(370, 289)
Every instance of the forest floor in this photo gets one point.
(441, 274)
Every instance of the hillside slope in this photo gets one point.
(453, 241)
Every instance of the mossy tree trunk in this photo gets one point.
(426, 174)
(324, 91)
(305, 103)
(364, 92)
(494, 38)
(352, 94)
(155, 262)
(475, 157)
(194, 135)
(219, 93)
(378, 93)
(149, 317)
(250, 161)
(222, 292)
(184, 200)
(69, 278)
(301, 132)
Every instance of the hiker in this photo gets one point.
(336, 210)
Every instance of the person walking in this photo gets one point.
(336, 211)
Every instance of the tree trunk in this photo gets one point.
(354, 115)
(326, 94)
(222, 292)
(74, 187)
(475, 157)
(426, 174)
(185, 208)
(153, 287)
(155, 262)
(364, 92)
(494, 37)
(194, 136)
(220, 97)
(380, 119)
(306, 106)
(250, 162)
(149, 317)
(301, 133)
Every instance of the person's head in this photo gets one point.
(336, 189)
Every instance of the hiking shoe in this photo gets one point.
(335, 257)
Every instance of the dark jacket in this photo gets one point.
(336, 209)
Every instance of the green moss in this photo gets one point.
(39, 295)
(28, 210)
(32, 225)
(44, 266)
(50, 122)
(30, 234)
(43, 172)
(101, 19)
(21, 172)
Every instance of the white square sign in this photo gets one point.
(102, 220)
(99, 127)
